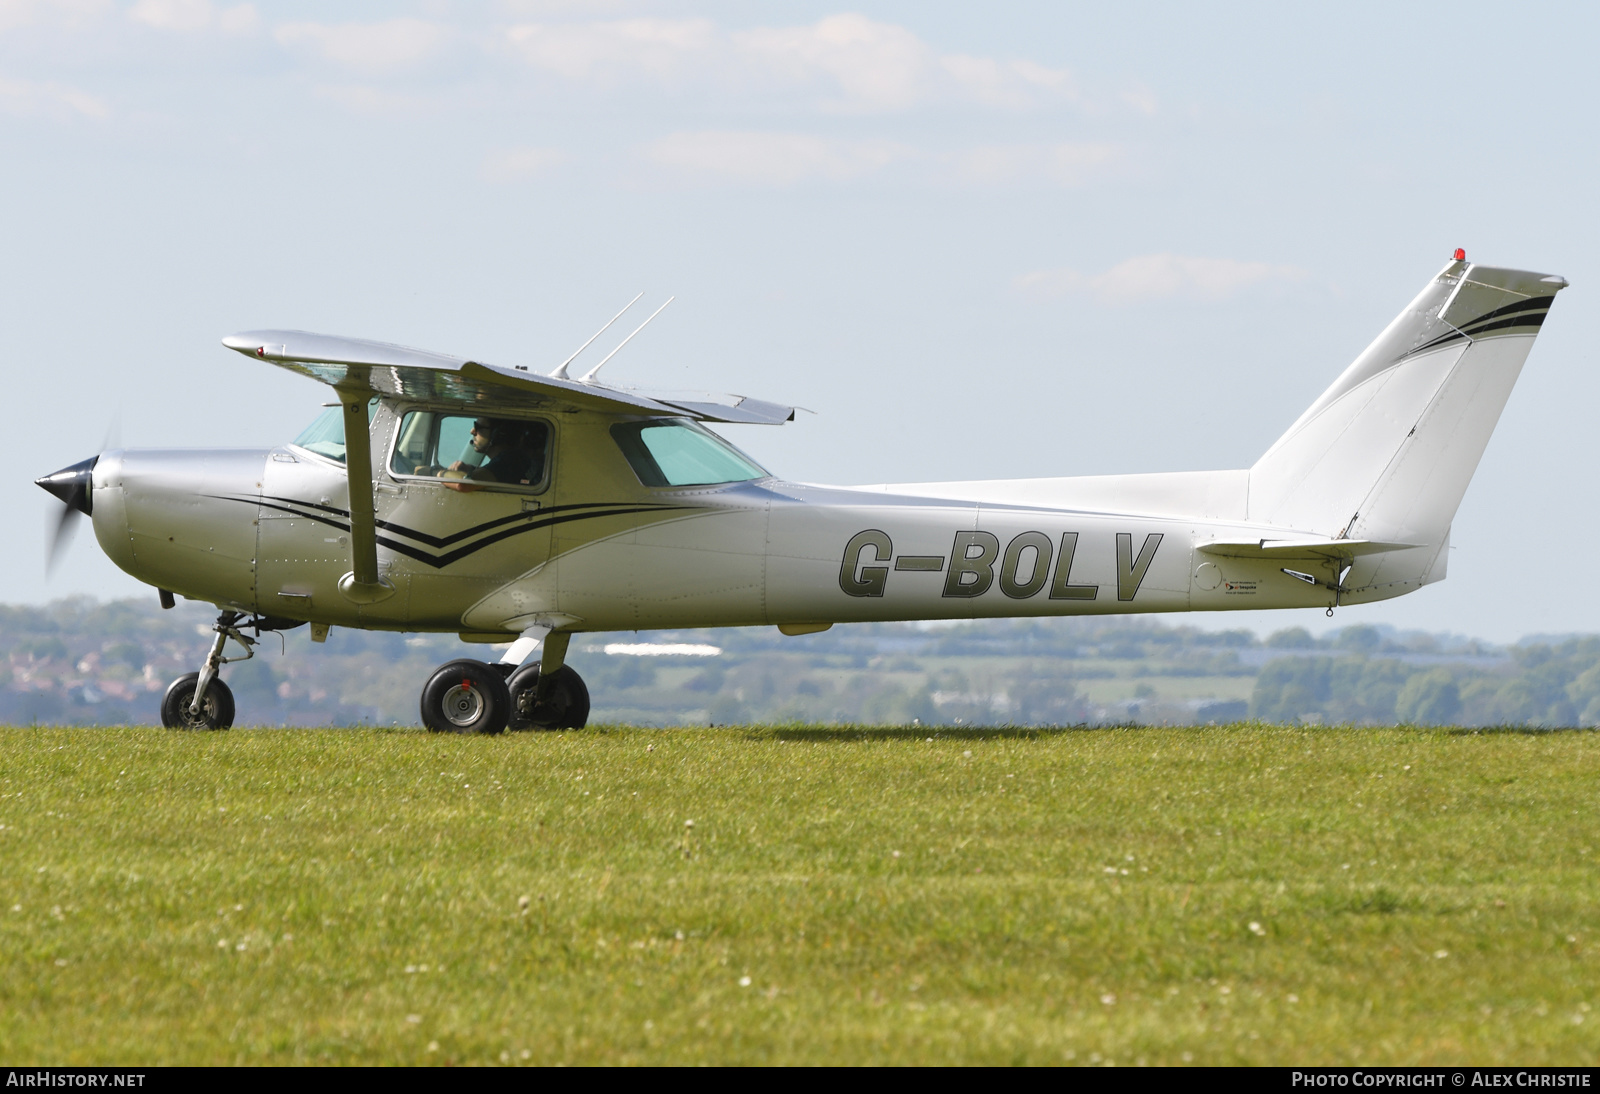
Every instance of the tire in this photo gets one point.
(466, 696)
(216, 712)
(565, 707)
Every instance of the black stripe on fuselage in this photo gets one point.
(535, 519)
(456, 537)
(440, 561)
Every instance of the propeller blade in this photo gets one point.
(61, 537)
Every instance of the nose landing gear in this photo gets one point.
(200, 700)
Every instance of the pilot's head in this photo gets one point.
(488, 433)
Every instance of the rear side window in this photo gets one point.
(677, 452)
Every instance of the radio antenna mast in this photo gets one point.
(560, 371)
(587, 376)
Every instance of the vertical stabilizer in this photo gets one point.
(1387, 451)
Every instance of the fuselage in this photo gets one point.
(592, 547)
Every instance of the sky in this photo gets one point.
(977, 241)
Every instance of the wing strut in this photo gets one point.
(362, 584)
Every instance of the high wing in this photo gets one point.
(359, 365)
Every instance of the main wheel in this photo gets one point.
(466, 696)
(565, 706)
(216, 709)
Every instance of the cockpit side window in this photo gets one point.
(325, 435)
(476, 451)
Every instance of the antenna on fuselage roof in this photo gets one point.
(590, 374)
(560, 371)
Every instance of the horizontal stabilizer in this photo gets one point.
(399, 372)
(1284, 549)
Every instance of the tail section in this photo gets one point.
(1386, 453)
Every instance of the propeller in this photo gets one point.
(72, 486)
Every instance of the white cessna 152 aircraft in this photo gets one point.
(444, 494)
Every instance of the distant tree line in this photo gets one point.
(1543, 684)
(82, 661)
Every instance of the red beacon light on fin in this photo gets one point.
(1461, 254)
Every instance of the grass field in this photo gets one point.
(1245, 894)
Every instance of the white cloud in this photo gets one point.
(774, 159)
(611, 52)
(71, 14)
(520, 164)
(853, 63)
(189, 16)
(172, 14)
(1141, 99)
(26, 99)
(781, 159)
(380, 101)
(1062, 164)
(17, 13)
(876, 66)
(239, 19)
(367, 47)
(1009, 83)
(544, 9)
(1158, 277)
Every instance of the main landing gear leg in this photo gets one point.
(548, 694)
(200, 700)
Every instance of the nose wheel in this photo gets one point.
(466, 696)
(178, 709)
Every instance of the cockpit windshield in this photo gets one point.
(325, 436)
(678, 452)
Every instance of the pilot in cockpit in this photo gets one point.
(505, 457)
